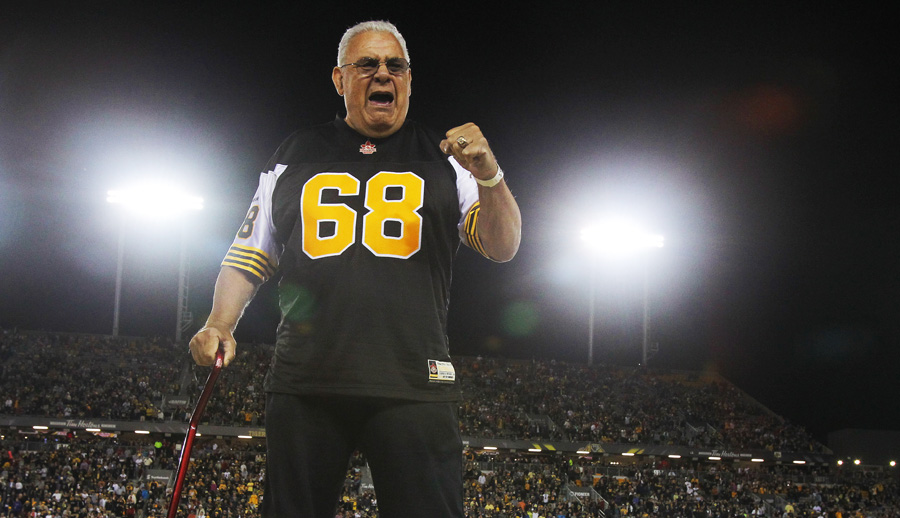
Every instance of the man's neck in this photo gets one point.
(370, 133)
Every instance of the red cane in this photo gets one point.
(185, 457)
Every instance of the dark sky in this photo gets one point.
(761, 141)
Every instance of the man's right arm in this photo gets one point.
(234, 290)
(250, 261)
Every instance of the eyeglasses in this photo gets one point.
(368, 66)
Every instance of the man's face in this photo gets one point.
(377, 104)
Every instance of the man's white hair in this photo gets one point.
(370, 26)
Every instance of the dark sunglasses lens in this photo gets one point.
(397, 65)
(367, 65)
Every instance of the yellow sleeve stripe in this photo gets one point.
(250, 251)
(470, 229)
(250, 260)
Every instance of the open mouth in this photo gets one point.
(381, 98)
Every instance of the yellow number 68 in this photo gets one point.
(407, 194)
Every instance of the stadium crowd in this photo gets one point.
(94, 477)
(126, 379)
(517, 487)
(106, 477)
(92, 376)
(604, 404)
(54, 474)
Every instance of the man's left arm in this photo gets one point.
(499, 220)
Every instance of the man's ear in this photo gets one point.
(337, 77)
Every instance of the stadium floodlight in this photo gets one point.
(155, 201)
(618, 238)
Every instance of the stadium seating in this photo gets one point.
(66, 470)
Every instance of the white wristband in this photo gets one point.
(493, 181)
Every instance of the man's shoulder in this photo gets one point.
(331, 129)
(420, 143)
(309, 143)
(325, 130)
(421, 129)
(335, 141)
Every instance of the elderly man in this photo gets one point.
(363, 216)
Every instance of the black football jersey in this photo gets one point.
(364, 232)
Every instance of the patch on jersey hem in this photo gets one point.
(441, 372)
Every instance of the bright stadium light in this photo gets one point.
(156, 201)
(618, 238)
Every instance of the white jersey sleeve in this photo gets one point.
(469, 208)
(254, 248)
(467, 191)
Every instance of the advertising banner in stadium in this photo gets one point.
(161, 476)
(177, 401)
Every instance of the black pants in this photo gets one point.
(413, 449)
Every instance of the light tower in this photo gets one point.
(154, 201)
(615, 238)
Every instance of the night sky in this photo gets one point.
(761, 141)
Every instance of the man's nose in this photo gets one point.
(382, 71)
